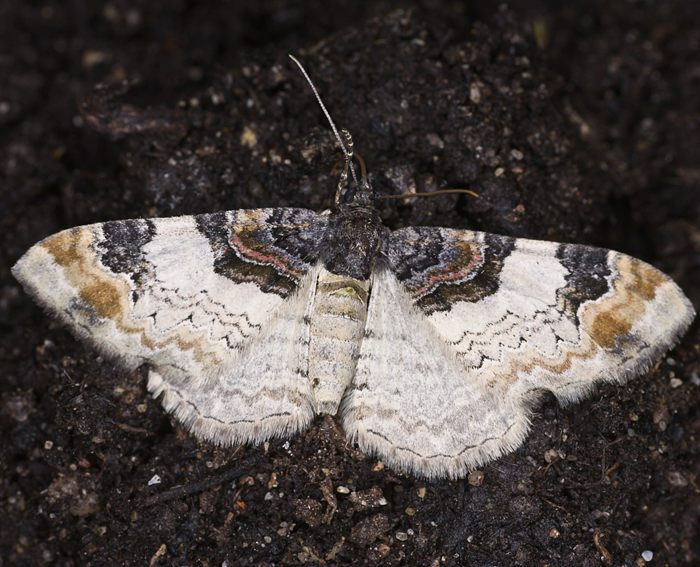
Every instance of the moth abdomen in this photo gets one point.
(337, 324)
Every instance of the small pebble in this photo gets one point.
(676, 382)
(249, 138)
(401, 536)
(272, 482)
(476, 478)
(435, 140)
(677, 479)
(647, 555)
(342, 490)
(383, 549)
(155, 479)
(551, 455)
(421, 492)
(474, 94)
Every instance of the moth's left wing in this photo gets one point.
(214, 304)
(465, 328)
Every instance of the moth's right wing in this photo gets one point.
(215, 304)
(465, 329)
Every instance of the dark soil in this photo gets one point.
(576, 123)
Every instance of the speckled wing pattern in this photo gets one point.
(216, 306)
(464, 329)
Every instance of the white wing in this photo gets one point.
(214, 304)
(464, 330)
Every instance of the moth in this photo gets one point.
(428, 344)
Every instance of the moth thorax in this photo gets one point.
(336, 330)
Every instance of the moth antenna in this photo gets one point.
(347, 153)
(351, 145)
(431, 194)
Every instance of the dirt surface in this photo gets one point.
(575, 123)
